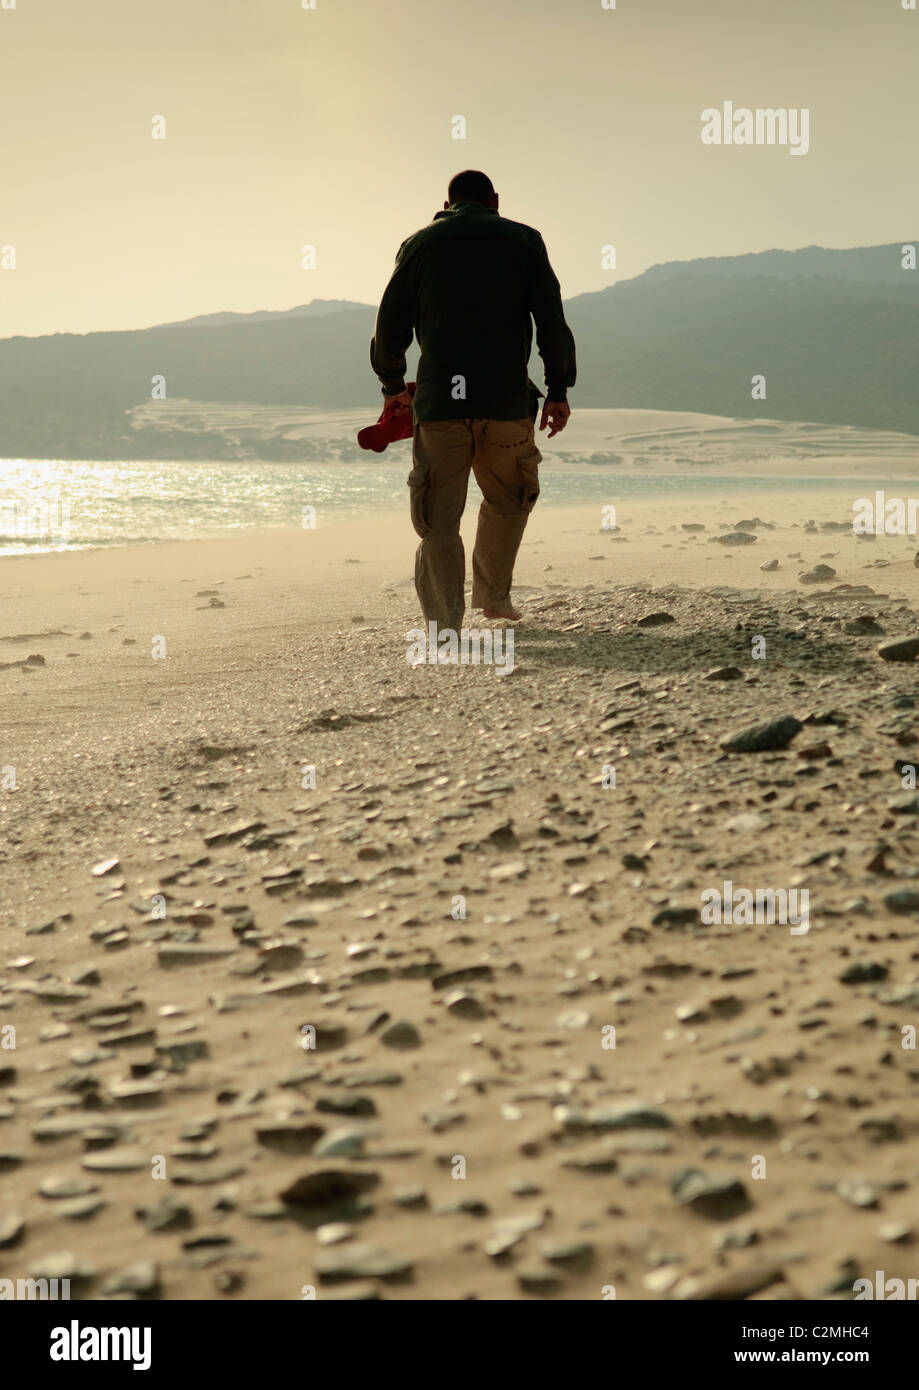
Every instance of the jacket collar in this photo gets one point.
(458, 209)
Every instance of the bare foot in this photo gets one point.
(513, 615)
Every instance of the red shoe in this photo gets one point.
(396, 422)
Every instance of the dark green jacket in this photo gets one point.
(466, 285)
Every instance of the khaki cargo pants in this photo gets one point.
(505, 460)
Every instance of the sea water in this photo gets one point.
(61, 505)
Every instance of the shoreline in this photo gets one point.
(571, 537)
(822, 487)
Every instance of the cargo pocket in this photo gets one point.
(418, 481)
(528, 464)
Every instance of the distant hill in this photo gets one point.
(869, 264)
(316, 308)
(835, 333)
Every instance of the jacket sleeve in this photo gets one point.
(554, 339)
(393, 331)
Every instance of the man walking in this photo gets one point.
(467, 286)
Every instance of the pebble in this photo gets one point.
(141, 1279)
(716, 1199)
(738, 1238)
(862, 972)
(55, 1187)
(411, 1198)
(328, 1187)
(12, 1230)
(64, 1264)
(210, 1175)
(463, 1206)
(673, 917)
(902, 900)
(136, 1094)
(401, 1035)
(267, 1211)
(464, 1004)
(899, 649)
(662, 1280)
(594, 1161)
(524, 1187)
(857, 1193)
(362, 1261)
(341, 1143)
(539, 1279)
(747, 823)
(301, 920)
(895, 1232)
(105, 867)
(759, 738)
(232, 833)
(289, 1138)
(638, 1142)
(863, 626)
(334, 1233)
(515, 868)
(734, 538)
(735, 1285)
(124, 1160)
(570, 1254)
(724, 673)
(461, 976)
(356, 1080)
(628, 1116)
(355, 1106)
(574, 1020)
(193, 954)
(181, 1053)
(82, 1208)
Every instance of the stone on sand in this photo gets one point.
(772, 735)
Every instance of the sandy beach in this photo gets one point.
(239, 813)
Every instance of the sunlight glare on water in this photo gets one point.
(61, 505)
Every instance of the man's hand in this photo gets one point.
(555, 415)
(404, 398)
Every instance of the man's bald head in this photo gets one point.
(471, 186)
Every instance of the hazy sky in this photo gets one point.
(332, 127)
